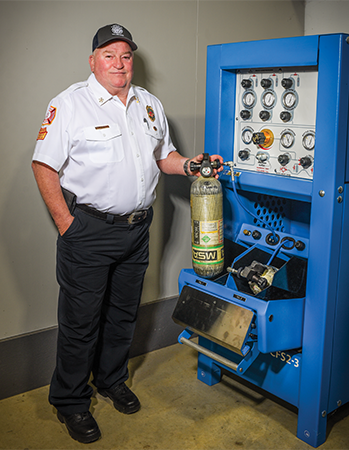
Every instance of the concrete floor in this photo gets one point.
(178, 413)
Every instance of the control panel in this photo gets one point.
(275, 115)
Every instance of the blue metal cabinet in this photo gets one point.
(293, 93)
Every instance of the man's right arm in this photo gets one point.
(49, 186)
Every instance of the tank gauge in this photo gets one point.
(249, 98)
(287, 138)
(268, 99)
(308, 140)
(289, 99)
(246, 135)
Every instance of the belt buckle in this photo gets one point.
(136, 216)
(130, 218)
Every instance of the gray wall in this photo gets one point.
(329, 16)
(44, 48)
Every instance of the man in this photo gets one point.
(97, 161)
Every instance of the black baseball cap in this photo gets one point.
(110, 33)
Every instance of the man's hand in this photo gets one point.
(50, 189)
(173, 164)
(199, 158)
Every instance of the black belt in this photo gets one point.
(135, 217)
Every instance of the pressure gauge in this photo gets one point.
(287, 138)
(289, 99)
(308, 140)
(268, 99)
(249, 98)
(246, 135)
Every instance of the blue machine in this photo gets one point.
(278, 110)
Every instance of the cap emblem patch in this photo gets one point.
(117, 30)
(150, 112)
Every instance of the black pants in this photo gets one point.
(100, 270)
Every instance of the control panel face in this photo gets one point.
(275, 115)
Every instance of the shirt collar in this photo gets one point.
(101, 95)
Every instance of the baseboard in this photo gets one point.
(27, 361)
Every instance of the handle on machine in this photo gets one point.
(209, 353)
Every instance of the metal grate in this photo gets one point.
(271, 210)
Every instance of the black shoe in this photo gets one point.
(81, 426)
(123, 398)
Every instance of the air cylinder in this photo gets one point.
(206, 201)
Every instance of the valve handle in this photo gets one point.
(206, 166)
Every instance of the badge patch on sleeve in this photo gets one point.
(42, 134)
(150, 112)
(51, 114)
(49, 118)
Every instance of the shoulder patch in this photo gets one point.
(42, 134)
(50, 116)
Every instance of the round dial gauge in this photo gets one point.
(246, 135)
(287, 138)
(289, 99)
(308, 140)
(249, 99)
(268, 99)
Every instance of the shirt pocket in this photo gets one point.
(154, 137)
(104, 143)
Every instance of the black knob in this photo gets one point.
(256, 234)
(284, 159)
(300, 245)
(258, 138)
(287, 83)
(264, 115)
(285, 116)
(245, 114)
(306, 162)
(266, 83)
(246, 84)
(244, 154)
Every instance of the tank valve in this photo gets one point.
(258, 276)
(205, 166)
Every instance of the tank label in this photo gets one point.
(213, 255)
(208, 233)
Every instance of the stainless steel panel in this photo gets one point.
(223, 322)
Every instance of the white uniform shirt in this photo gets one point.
(106, 152)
